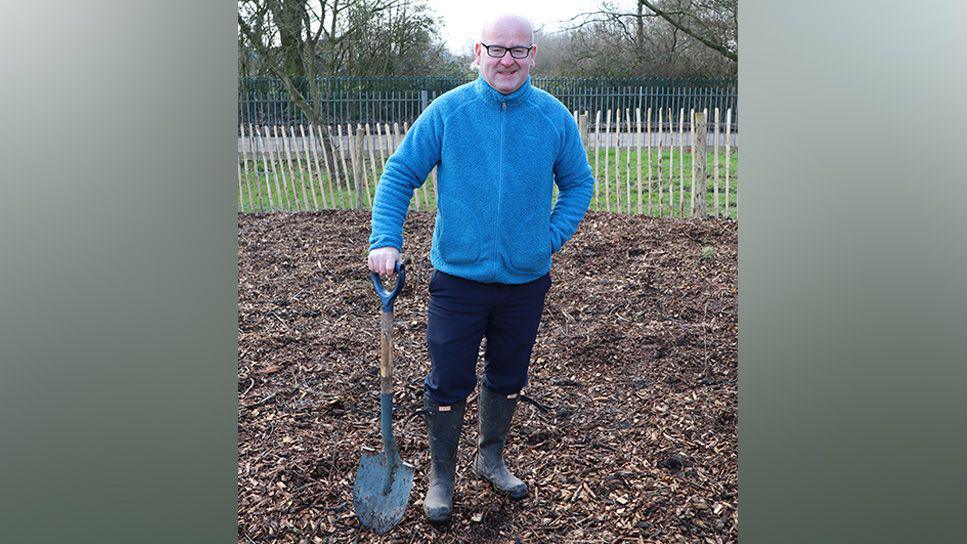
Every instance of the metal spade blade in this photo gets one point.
(383, 482)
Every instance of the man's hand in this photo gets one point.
(382, 260)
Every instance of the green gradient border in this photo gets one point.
(853, 302)
(119, 278)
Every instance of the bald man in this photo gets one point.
(499, 146)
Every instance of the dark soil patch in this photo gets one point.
(628, 427)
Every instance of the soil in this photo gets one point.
(627, 430)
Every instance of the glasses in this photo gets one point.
(498, 51)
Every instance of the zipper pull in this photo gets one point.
(503, 105)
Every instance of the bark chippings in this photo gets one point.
(626, 431)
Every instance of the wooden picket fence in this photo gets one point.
(634, 158)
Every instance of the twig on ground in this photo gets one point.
(249, 388)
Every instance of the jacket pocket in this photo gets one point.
(529, 243)
(458, 233)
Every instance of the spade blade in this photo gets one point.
(380, 507)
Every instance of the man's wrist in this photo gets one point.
(381, 245)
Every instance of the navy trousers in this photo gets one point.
(461, 313)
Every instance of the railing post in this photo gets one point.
(424, 100)
(700, 158)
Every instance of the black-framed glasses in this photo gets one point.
(498, 51)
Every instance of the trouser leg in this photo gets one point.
(456, 321)
(511, 332)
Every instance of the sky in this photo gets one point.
(463, 19)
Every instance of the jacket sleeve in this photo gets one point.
(405, 171)
(575, 184)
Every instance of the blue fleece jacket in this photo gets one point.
(497, 158)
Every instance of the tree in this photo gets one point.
(715, 23)
(401, 41)
(297, 41)
(673, 36)
(293, 38)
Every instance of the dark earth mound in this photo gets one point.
(627, 429)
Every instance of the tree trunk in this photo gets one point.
(289, 17)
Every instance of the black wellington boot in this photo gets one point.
(496, 412)
(443, 428)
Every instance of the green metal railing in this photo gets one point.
(265, 101)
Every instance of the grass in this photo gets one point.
(296, 189)
(613, 186)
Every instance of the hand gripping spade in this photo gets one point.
(384, 481)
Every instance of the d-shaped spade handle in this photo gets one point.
(387, 298)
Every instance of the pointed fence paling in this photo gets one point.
(277, 154)
(638, 154)
(372, 159)
(701, 132)
(269, 160)
(353, 182)
(282, 168)
(597, 149)
(715, 159)
(671, 164)
(325, 163)
(703, 142)
(621, 146)
(728, 155)
(342, 160)
(359, 165)
(312, 185)
(650, 179)
(246, 150)
(661, 179)
(607, 162)
(692, 134)
(631, 133)
(681, 162)
(300, 183)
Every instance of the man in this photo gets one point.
(499, 145)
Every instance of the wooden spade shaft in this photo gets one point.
(386, 352)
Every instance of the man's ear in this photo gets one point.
(475, 61)
(534, 55)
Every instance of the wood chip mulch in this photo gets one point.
(627, 431)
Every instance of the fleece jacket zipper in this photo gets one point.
(500, 184)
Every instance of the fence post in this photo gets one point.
(701, 132)
(358, 168)
(424, 101)
(583, 127)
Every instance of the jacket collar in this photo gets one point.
(495, 97)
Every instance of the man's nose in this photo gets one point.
(507, 60)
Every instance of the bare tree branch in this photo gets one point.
(709, 22)
(728, 53)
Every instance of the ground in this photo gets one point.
(627, 430)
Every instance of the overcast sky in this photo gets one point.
(462, 20)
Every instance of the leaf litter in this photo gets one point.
(627, 431)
